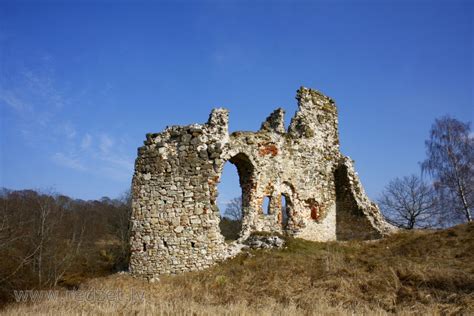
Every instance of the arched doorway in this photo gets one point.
(234, 203)
(287, 207)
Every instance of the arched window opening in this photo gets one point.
(266, 205)
(284, 211)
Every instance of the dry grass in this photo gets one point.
(420, 272)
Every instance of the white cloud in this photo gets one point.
(106, 158)
(39, 105)
(68, 161)
(43, 84)
(35, 102)
(68, 130)
(119, 161)
(10, 100)
(115, 163)
(116, 174)
(86, 141)
(106, 142)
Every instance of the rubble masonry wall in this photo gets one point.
(175, 218)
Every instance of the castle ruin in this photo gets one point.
(175, 218)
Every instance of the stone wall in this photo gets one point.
(175, 219)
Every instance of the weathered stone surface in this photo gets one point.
(175, 219)
(264, 242)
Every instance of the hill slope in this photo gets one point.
(409, 272)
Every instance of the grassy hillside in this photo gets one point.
(420, 272)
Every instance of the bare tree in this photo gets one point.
(408, 203)
(56, 238)
(120, 227)
(46, 238)
(13, 233)
(231, 222)
(233, 209)
(450, 161)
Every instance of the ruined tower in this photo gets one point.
(175, 219)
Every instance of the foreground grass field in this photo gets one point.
(418, 272)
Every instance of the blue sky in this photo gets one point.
(81, 83)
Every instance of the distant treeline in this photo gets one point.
(49, 240)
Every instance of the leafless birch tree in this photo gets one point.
(450, 162)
